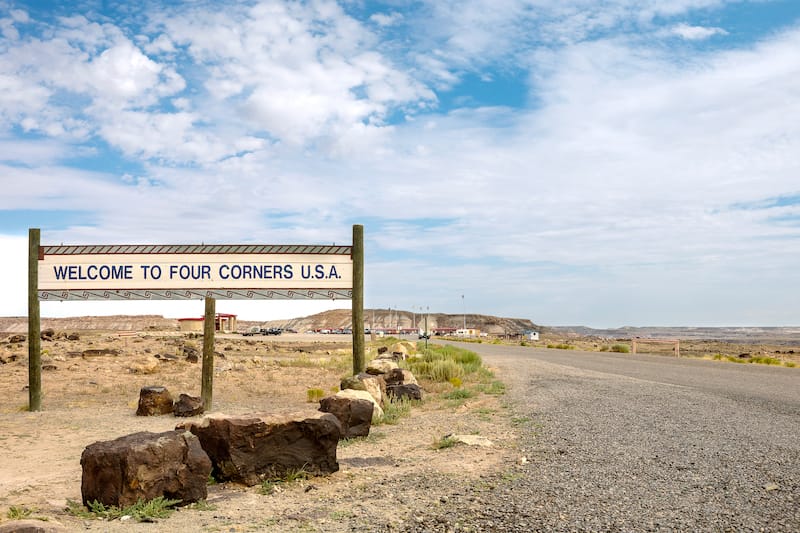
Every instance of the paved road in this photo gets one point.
(618, 442)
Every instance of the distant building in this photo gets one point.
(223, 322)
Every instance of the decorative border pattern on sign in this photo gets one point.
(189, 294)
(196, 249)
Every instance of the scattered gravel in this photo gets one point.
(603, 452)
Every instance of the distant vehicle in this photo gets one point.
(255, 330)
(271, 331)
(290, 330)
(424, 335)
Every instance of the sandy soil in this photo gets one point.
(89, 397)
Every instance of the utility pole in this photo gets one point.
(464, 308)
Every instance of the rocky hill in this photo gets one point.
(93, 323)
(335, 319)
(398, 319)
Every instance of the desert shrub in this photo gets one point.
(394, 411)
(441, 370)
(445, 442)
(621, 348)
(141, 511)
(314, 395)
(443, 363)
(561, 346)
(458, 394)
(764, 360)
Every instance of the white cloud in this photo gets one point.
(270, 123)
(696, 33)
(384, 20)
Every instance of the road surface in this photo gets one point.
(618, 442)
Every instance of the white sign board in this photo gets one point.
(194, 272)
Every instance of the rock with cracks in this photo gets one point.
(154, 400)
(354, 414)
(187, 405)
(400, 376)
(249, 448)
(375, 385)
(404, 392)
(144, 466)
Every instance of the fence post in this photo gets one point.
(207, 385)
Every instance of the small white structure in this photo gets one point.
(533, 335)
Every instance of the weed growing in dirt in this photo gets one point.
(561, 346)
(496, 387)
(16, 512)
(314, 395)
(621, 348)
(141, 511)
(760, 360)
(202, 505)
(458, 394)
(443, 363)
(394, 411)
(445, 442)
(269, 485)
(373, 437)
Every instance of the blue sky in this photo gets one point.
(605, 163)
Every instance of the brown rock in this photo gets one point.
(249, 448)
(188, 406)
(154, 400)
(47, 334)
(355, 415)
(399, 376)
(31, 526)
(145, 466)
(17, 338)
(404, 392)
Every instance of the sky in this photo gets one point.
(575, 162)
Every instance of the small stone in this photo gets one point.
(771, 486)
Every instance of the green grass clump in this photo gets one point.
(394, 411)
(16, 512)
(444, 363)
(445, 442)
(621, 348)
(758, 359)
(141, 511)
(496, 387)
(458, 394)
(561, 346)
(765, 360)
(314, 395)
(268, 485)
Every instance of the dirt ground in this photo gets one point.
(90, 393)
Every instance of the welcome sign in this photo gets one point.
(180, 272)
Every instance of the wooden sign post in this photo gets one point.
(187, 272)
